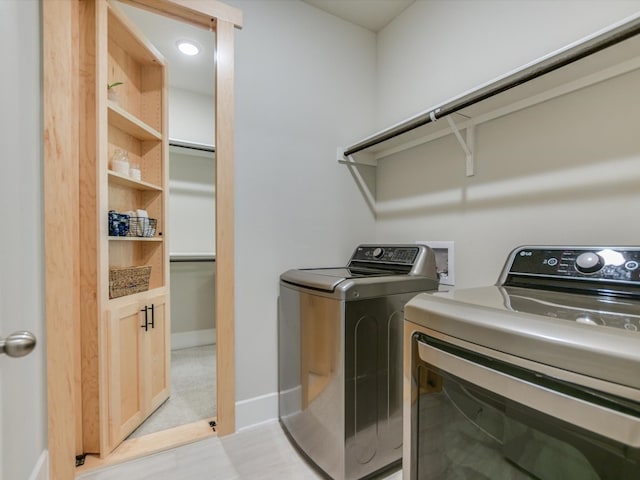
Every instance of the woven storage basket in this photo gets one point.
(128, 280)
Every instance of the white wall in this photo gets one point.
(304, 85)
(438, 49)
(23, 415)
(191, 117)
(191, 204)
(563, 172)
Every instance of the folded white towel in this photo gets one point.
(142, 223)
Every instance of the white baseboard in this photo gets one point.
(254, 411)
(41, 469)
(291, 399)
(194, 338)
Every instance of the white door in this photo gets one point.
(23, 419)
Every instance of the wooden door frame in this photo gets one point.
(61, 157)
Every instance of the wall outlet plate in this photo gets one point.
(445, 265)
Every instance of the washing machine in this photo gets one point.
(536, 377)
(340, 356)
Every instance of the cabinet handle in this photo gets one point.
(146, 321)
(152, 316)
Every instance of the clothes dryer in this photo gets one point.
(533, 378)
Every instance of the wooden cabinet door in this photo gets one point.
(138, 363)
(156, 359)
(125, 371)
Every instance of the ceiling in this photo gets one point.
(373, 15)
(196, 73)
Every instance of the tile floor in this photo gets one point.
(259, 453)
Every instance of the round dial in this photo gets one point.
(377, 253)
(589, 262)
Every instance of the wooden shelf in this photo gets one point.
(136, 239)
(128, 123)
(129, 37)
(119, 179)
(136, 296)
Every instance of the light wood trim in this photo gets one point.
(225, 294)
(61, 245)
(164, 175)
(202, 13)
(153, 443)
(102, 195)
(87, 390)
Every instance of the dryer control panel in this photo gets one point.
(588, 268)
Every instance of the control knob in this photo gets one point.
(378, 252)
(589, 262)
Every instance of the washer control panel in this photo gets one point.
(405, 255)
(596, 264)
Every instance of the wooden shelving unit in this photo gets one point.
(125, 340)
(137, 125)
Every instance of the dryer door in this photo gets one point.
(478, 417)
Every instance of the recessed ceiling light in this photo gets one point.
(188, 47)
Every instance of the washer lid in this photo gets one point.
(486, 316)
(327, 279)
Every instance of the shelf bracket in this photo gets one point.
(353, 162)
(467, 145)
(364, 159)
(365, 178)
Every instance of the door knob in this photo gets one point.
(18, 344)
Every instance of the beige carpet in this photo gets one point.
(193, 391)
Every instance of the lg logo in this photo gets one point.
(526, 253)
